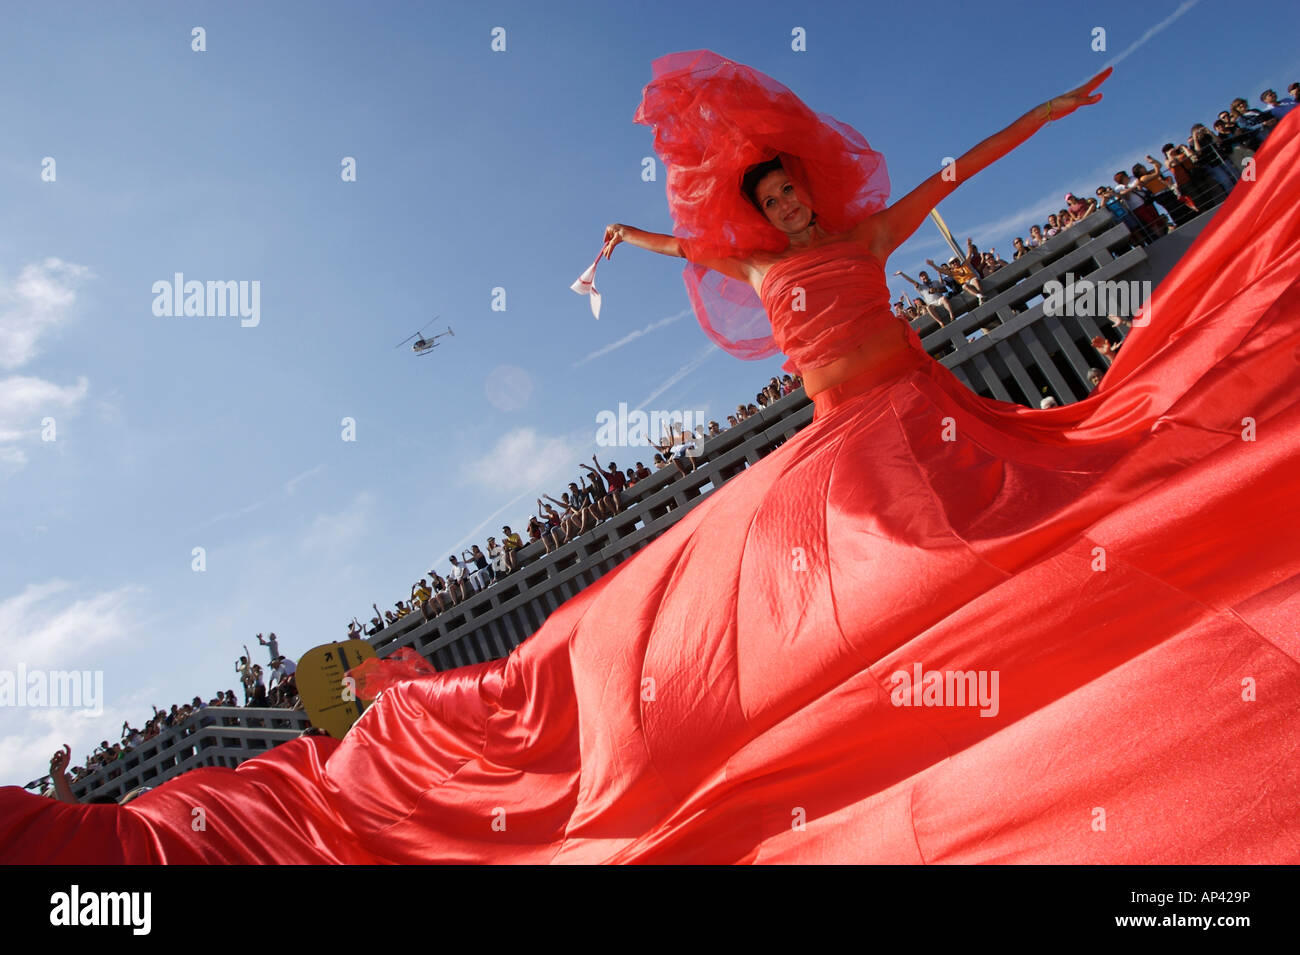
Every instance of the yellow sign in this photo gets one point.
(328, 694)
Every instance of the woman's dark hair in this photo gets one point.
(754, 175)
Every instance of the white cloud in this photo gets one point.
(50, 624)
(34, 734)
(36, 303)
(12, 459)
(109, 407)
(338, 534)
(25, 401)
(523, 459)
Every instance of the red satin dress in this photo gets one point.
(1115, 584)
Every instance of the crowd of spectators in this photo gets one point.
(1151, 200)
(280, 690)
(595, 497)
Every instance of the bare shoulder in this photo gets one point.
(732, 267)
(758, 266)
(872, 234)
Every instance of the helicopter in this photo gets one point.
(422, 345)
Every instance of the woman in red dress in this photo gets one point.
(930, 627)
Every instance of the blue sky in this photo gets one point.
(475, 170)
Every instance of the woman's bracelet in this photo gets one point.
(1049, 110)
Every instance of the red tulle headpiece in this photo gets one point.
(713, 119)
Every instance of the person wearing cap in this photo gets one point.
(456, 580)
(281, 675)
(1080, 208)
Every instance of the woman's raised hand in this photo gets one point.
(614, 234)
(1067, 103)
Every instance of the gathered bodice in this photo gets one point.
(825, 301)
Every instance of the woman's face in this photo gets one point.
(786, 205)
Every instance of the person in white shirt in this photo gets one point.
(281, 670)
(1276, 108)
(1137, 200)
(457, 580)
(245, 670)
(497, 555)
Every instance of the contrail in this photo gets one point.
(1182, 8)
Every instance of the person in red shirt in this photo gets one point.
(615, 483)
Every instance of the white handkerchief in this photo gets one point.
(586, 285)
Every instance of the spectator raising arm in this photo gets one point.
(59, 774)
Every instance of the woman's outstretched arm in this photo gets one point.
(888, 229)
(667, 245)
(654, 241)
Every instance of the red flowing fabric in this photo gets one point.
(1122, 576)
